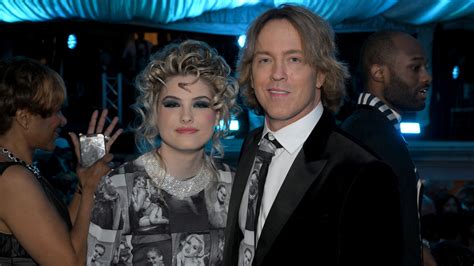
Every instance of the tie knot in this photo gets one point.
(269, 145)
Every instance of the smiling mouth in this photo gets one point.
(277, 92)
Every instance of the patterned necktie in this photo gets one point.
(263, 158)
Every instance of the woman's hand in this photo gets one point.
(109, 139)
(89, 177)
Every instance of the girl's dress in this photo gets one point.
(187, 207)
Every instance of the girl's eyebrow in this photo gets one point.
(171, 97)
(179, 99)
(202, 98)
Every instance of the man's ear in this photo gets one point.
(378, 72)
(320, 79)
(22, 117)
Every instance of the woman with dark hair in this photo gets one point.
(35, 225)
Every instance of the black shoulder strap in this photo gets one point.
(5, 165)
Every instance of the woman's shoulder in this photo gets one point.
(5, 165)
(17, 178)
(16, 174)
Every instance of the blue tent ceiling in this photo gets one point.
(233, 16)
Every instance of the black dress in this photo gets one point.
(11, 251)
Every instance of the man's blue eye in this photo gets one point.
(295, 60)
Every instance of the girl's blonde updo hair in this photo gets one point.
(189, 57)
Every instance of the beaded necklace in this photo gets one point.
(174, 186)
(30, 167)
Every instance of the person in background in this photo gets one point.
(445, 202)
(136, 53)
(184, 92)
(466, 196)
(326, 199)
(35, 225)
(396, 80)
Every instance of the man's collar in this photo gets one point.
(292, 136)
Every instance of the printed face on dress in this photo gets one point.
(192, 246)
(408, 81)
(154, 258)
(108, 180)
(44, 131)
(221, 194)
(140, 182)
(285, 85)
(186, 118)
(124, 255)
(99, 250)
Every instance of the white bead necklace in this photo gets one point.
(172, 185)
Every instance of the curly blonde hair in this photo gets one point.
(189, 57)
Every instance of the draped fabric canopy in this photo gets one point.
(231, 17)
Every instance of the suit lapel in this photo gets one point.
(300, 177)
(306, 170)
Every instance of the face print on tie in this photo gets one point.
(256, 183)
(257, 178)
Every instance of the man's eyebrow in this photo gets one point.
(262, 53)
(418, 58)
(292, 51)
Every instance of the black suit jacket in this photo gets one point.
(338, 205)
(374, 129)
